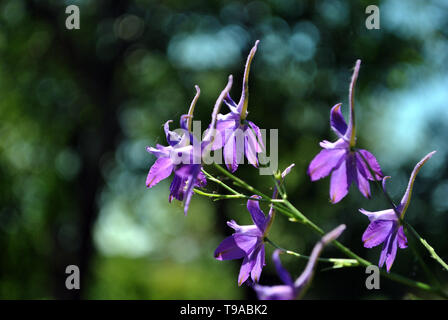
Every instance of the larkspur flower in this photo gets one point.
(239, 136)
(248, 241)
(385, 226)
(293, 289)
(181, 157)
(340, 159)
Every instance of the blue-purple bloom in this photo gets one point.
(181, 156)
(294, 289)
(186, 176)
(239, 136)
(247, 242)
(340, 159)
(385, 226)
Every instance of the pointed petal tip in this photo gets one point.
(167, 123)
(218, 256)
(383, 183)
(334, 234)
(333, 200)
(337, 120)
(404, 203)
(254, 48)
(288, 170)
(336, 106)
(425, 158)
(431, 153)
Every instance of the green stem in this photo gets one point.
(335, 261)
(431, 250)
(220, 196)
(219, 182)
(240, 182)
(247, 186)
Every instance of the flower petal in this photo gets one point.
(250, 230)
(228, 250)
(230, 154)
(287, 170)
(377, 232)
(282, 272)
(172, 137)
(388, 214)
(161, 169)
(383, 255)
(259, 257)
(391, 252)
(282, 292)
(325, 161)
(225, 125)
(251, 147)
(339, 183)
(230, 103)
(191, 182)
(363, 156)
(338, 144)
(245, 270)
(159, 151)
(257, 132)
(337, 120)
(363, 184)
(258, 217)
(177, 188)
(401, 237)
(246, 242)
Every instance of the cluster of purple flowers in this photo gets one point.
(345, 163)
(187, 171)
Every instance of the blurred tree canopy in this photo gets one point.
(78, 108)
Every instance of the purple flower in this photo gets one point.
(169, 159)
(340, 159)
(247, 242)
(293, 289)
(385, 226)
(182, 156)
(239, 136)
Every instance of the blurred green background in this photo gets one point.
(78, 108)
